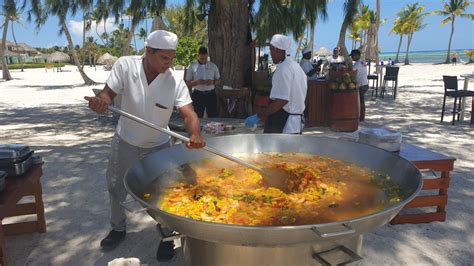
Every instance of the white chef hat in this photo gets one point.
(306, 50)
(281, 42)
(161, 39)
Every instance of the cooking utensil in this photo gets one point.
(272, 177)
(153, 169)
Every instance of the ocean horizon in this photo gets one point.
(433, 56)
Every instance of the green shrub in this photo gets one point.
(33, 65)
(186, 51)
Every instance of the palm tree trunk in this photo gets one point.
(135, 43)
(5, 71)
(410, 36)
(97, 32)
(342, 36)
(87, 80)
(398, 51)
(20, 59)
(450, 39)
(83, 40)
(377, 22)
(105, 31)
(311, 36)
(342, 40)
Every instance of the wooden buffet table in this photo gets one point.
(16, 188)
(430, 160)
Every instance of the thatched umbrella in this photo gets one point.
(105, 58)
(59, 57)
(323, 51)
(10, 53)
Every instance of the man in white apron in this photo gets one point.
(284, 114)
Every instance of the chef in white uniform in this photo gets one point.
(305, 63)
(284, 114)
(149, 90)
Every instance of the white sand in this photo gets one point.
(46, 111)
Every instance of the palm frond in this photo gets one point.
(471, 16)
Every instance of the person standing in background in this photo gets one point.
(308, 68)
(202, 77)
(454, 59)
(362, 80)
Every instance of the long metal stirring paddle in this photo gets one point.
(272, 177)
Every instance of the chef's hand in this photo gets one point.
(96, 104)
(209, 82)
(252, 120)
(196, 142)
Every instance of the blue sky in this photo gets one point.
(433, 37)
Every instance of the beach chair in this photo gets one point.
(374, 87)
(391, 75)
(48, 66)
(451, 90)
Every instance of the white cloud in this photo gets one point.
(75, 27)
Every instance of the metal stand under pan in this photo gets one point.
(199, 252)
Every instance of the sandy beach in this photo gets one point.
(47, 112)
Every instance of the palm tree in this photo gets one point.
(399, 30)
(142, 34)
(360, 28)
(137, 12)
(312, 11)
(452, 9)
(101, 14)
(14, 19)
(96, 17)
(350, 10)
(9, 7)
(86, 26)
(175, 19)
(414, 22)
(272, 17)
(91, 49)
(354, 35)
(60, 9)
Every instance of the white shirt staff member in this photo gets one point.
(203, 76)
(308, 68)
(284, 114)
(362, 80)
(149, 90)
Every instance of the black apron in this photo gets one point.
(276, 122)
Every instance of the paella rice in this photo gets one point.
(324, 190)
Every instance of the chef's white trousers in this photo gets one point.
(122, 156)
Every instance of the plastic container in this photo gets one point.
(380, 137)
